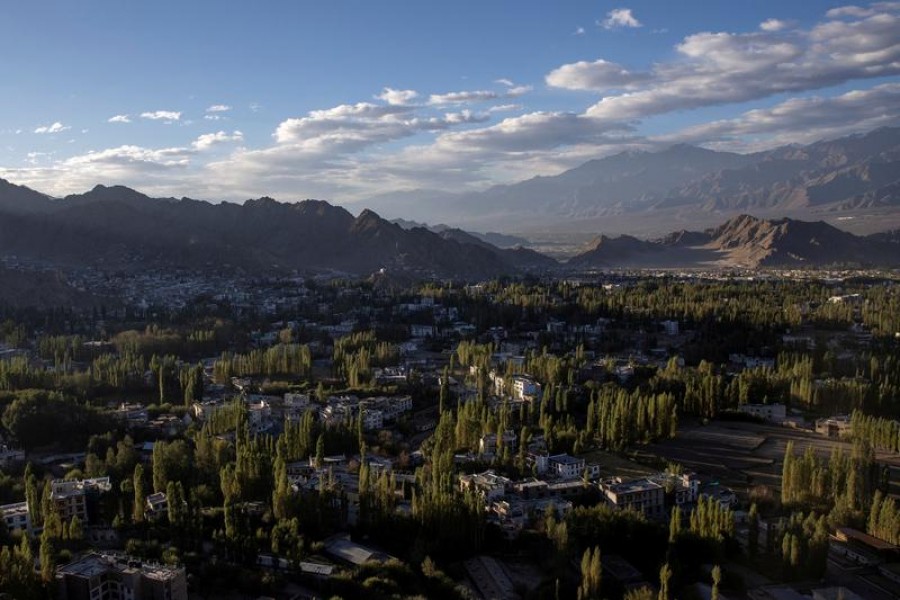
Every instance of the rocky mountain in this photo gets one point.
(120, 228)
(746, 241)
(835, 179)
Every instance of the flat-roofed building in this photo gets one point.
(641, 495)
(565, 466)
(16, 516)
(100, 576)
(72, 497)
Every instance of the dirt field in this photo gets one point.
(741, 455)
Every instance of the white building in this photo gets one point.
(776, 413)
(565, 466)
(524, 387)
(16, 516)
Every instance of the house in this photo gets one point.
(100, 575)
(488, 442)
(133, 415)
(565, 466)
(488, 485)
(16, 516)
(641, 495)
(836, 426)
(775, 413)
(525, 388)
(670, 327)
(157, 506)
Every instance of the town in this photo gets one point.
(616, 435)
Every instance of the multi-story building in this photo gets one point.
(641, 495)
(16, 516)
(110, 576)
(776, 413)
(72, 498)
(525, 388)
(565, 466)
(488, 442)
(488, 485)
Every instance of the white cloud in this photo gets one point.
(578, 31)
(722, 68)
(505, 81)
(119, 119)
(620, 17)
(599, 75)
(397, 97)
(858, 12)
(214, 117)
(56, 127)
(774, 25)
(471, 96)
(208, 140)
(162, 115)
(801, 120)
(217, 108)
(460, 97)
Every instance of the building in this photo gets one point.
(107, 576)
(16, 516)
(488, 485)
(488, 442)
(836, 426)
(776, 413)
(685, 487)
(157, 506)
(641, 495)
(10, 456)
(133, 415)
(565, 466)
(525, 388)
(72, 498)
(670, 327)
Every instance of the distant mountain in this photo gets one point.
(850, 176)
(119, 228)
(501, 240)
(746, 241)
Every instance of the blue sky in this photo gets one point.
(345, 100)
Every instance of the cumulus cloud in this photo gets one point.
(397, 97)
(460, 97)
(119, 119)
(472, 96)
(619, 18)
(208, 140)
(801, 120)
(774, 25)
(56, 127)
(162, 115)
(720, 68)
(599, 76)
(578, 31)
(218, 108)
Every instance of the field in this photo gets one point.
(742, 455)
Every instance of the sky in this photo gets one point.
(347, 100)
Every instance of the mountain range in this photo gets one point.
(119, 229)
(746, 242)
(854, 180)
